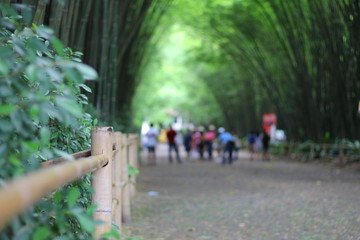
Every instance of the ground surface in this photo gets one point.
(250, 200)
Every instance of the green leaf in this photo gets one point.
(90, 210)
(41, 233)
(5, 125)
(132, 170)
(14, 161)
(87, 223)
(7, 109)
(72, 74)
(57, 45)
(86, 88)
(45, 32)
(63, 154)
(72, 196)
(4, 69)
(31, 72)
(58, 197)
(16, 120)
(32, 146)
(44, 135)
(69, 105)
(88, 72)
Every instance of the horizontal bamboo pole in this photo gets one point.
(21, 193)
(82, 154)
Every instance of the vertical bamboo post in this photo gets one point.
(341, 153)
(101, 140)
(126, 212)
(117, 172)
(133, 161)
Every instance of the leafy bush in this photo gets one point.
(41, 116)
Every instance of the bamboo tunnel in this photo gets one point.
(26, 191)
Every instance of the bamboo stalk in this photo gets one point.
(117, 171)
(24, 192)
(39, 13)
(102, 181)
(126, 211)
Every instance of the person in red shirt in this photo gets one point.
(171, 134)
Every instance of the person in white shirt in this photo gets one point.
(151, 143)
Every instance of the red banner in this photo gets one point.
(269, 119)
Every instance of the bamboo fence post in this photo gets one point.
(126, 211)
(133, 161)
(341, 153)
(101, 140)
(117, 175)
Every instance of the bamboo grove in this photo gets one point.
(113, 36)
(299, 59)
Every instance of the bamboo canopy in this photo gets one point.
(24, 192)
(113, 35)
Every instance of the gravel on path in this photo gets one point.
(249, 200)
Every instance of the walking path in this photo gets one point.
(251, 200)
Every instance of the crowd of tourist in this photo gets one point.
(208, 143)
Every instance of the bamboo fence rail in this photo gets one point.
(109, 164)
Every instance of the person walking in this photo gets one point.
(171, 134)
(228, 141)
(151, 142)
(265, 144)
(209, 138)
(251, 144)
(201, 145)
(187, 143)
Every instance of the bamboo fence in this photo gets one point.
(108, 160)
(324, 151)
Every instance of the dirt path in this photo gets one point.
(251, 200)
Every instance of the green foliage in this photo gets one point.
(41, 98)
(168, 85)
(295, 58)
(132, 170)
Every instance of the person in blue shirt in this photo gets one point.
(251, 143)
(227, 141)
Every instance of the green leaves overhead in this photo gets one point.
(297, 59)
